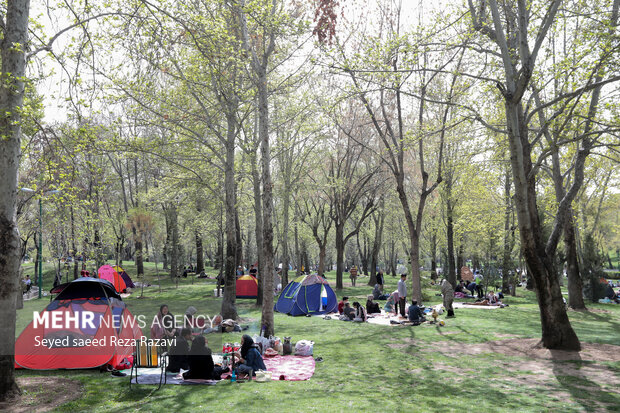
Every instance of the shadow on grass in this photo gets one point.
(583, 390)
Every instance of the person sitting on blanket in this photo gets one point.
(348, 313)
(197, 325)
(200, 360)
(360, 313)
(342, 303)
(164, 326)
(249, 358)
(414, 314)
(215, 325)
(179, 351)
(371, 306)
(377, 295)
(490, 300)
(390, 304)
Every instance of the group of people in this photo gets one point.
(166, 327)
(197, 358)
(356, 313)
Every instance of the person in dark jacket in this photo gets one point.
(415, 314)
(200, 360)
(250, 359)
(371, 306)
(179, 352)
(380, 279)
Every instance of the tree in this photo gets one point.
(509, 29)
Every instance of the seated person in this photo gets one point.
(390, 304)
(179, 351)
(414, 314)
(460, 288)
(360, 313)
(377, 294)
(197, 325)
(200, 360)
(215, 325)
(249, 358)
(342, 303)
(371, 306)
(348, 313)
(491, 299)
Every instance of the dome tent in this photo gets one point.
(106, 272)
(124, 276)
(308, 294)
(104, 336)
(247, 287)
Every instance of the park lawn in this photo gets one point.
(370, 367)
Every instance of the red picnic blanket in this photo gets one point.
(289, 368)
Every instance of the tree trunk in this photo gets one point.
(450, 275)
(13, 45)
(139, 256)
(258, 228)
(239, 242)
(339, 255)
(285, 228)
(267, 319)
(297, 254)
(575, 284)
(506, 262)
(434, 254)
(200, 256)
(557, 332)
(376, 245)
(229, 308)
(174, 242)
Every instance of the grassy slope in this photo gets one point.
(367, 367)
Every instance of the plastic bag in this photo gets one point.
(262, 342)
(304, 348)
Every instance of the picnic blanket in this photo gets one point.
(288, 368)
(152, 376)
(481, 307)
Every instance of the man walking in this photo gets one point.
(402, 294)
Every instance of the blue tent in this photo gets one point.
(308, 294)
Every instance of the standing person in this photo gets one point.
(240, 271)
(253, 271)
(479, 289)
(28, 283)
(448, 297)
(353, 274)
(402, 294)
(380, 280)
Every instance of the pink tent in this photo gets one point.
(106, 272)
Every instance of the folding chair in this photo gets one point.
(147, 356)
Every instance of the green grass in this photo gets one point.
(367, 367)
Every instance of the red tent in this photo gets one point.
(106, 272)
(86, 326)
(247, 287)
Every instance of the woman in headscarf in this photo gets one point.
(390, 304)
(448, 297)
(250, 359)
(200, 360)
(163, 327)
